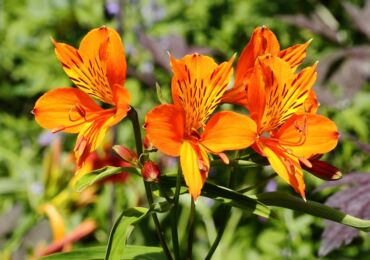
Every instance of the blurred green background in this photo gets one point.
(35, 167)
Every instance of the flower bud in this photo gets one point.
(126, 154)
(323, 170)
(150, 172)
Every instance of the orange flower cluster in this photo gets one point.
(282, 124)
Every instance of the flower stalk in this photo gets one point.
(133, 116)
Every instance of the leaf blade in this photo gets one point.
(281, 199)
(117, 239)
(98, 252)
(97, 175)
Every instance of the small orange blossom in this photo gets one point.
(98, 69)
(183, 129)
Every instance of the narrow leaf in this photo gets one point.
(120, 230)
(236, 199)
(284, 200)
(98, 253)
(227, 196)
(97, 175)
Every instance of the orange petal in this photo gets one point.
(107, 43)
(198, 84)
(310, 105)
(236, 95)
(97, 66)
(284, 164)
(194, 164)
(165, 128)
(257, 96)
(228, 130)
(65, 109)
(92, 134)
(121, 98)
(263, 41)
(308, 134)
(285, 92)
(294, 55)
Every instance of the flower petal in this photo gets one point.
(310, 105)
(308, 134)
(284, 164)
(285, 92)
(198, 84)
(65, 109)
(92, 134)
(194, 164)
(294, 55)
(107, 43)
(97, 66)
(165, 128)
(228, 130)
(263, 41)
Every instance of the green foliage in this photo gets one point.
(96, 253)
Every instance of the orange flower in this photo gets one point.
(263, 41)
(98, 69)
(287, 134)
(181, 129)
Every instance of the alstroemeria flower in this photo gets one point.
(183, 129)
(287, 135)
(98, 69)
(262, 42)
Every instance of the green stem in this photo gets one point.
(175, 236)
(133, 116)
(226, 209)
(191, 229)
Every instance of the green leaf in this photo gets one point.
(98, 252)
(120, 231)
(227, 196)
(284, 200)
(236, 199)
(160, 97)
(97, 175)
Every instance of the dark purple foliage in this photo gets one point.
(346, 67)
(353, 200)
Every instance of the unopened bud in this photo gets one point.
(126, 154)
(150, 172)
(323, 170)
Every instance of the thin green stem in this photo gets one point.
(191, 230)
(226, 209)
(175, 236)
(133, 116)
